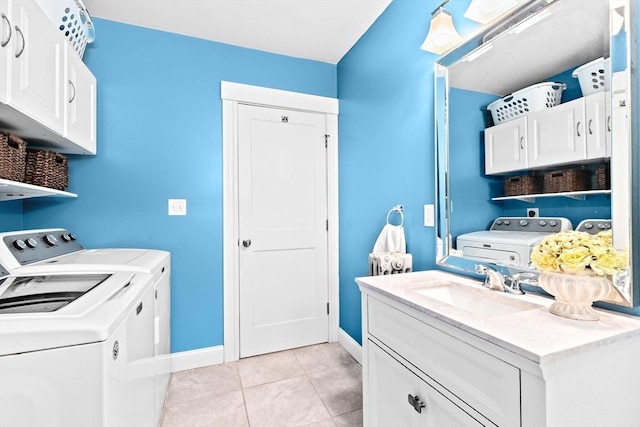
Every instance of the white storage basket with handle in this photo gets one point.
(532, 98)
(72, 19)
(594, 76)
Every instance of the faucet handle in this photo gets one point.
(512, 283)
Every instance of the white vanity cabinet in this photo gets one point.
(527, 368)
(572, 132)
(48, 95)
(400, 397)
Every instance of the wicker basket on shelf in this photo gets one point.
(520, 185)
(602, 181)
(47, 169)
(12, 157)
(566, 181)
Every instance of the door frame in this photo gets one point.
(233, 94)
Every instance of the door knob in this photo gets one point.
(246, 243)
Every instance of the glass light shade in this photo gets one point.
(442, 34)
(484, 11)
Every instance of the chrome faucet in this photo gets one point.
(499, 282)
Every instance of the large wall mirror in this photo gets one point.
(590, 133)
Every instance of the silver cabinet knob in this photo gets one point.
(246, 243)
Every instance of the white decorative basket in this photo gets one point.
(594, 76)
(532, 98)
(72, 19)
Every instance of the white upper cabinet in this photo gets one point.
(47, 95)
(80, 102)
(36, 66)
(557, 135)
(5, 37)
(506, 147)
(573, 132)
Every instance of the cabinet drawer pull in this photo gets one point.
(416, 403)
(5, 19)
(578, 128)
(589, 127)
(24, 43)
(73, 87)
(522, 142)
(609, 124)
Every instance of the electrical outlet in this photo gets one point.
(429, 215)
(533, 212)
(177, 206)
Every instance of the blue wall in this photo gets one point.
(160, 137)
(385, 87)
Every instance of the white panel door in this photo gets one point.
(282, 202)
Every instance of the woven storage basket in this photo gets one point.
(519, 185)
(602, 181)
(12, 157)
(47, 169)
(566, 181)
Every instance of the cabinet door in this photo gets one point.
(557, 135)
(80, 103)
(505, 147)
(392, 385)
(596, 115)
(6, 33)
(36, 66)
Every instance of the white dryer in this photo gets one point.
(59, 251)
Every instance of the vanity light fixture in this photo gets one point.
(484, 11)
(442, 34)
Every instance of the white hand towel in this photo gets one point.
(391, 239)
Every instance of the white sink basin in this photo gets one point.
(482, 302)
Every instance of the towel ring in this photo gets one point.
(398, 209)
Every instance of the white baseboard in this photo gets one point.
(197, 358)
(351, 345)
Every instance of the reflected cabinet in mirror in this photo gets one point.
(536, 132)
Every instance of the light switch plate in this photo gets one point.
(177, 206)
(429, 215)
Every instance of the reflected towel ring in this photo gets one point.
(398, 209)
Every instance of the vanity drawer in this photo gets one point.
(484, 382)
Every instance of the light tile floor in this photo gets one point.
(319, 386)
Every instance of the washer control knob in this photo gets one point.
(31, 243)
(552, 223)
(588, 226)
(68, 237)
(524, 223)
(542, 223)
(499, 222)
(601, 226)
(19, 245)
(50, 240)
(507, 222)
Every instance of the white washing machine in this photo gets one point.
(76, 349)
(59, 251)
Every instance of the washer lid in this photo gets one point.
(514, 238)
(41, 294)
(91, 318)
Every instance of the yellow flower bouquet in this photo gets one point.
(574, 252)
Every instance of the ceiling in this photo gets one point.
(322, 30)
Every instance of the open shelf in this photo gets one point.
(531, 198)
(12, 190)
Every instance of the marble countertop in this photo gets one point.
(532, 331)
